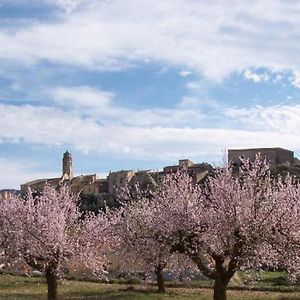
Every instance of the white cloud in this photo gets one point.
(191, 102)
(283, 119)
(296, 79)
(213, 38)
(100, 106)
(186, 130)
(256, 77)
(194, 85)
(263, 127)
(185, 73)
(82, 96)
(16, 172)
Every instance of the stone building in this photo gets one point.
(198, 171)
(274, 156)
(100, 190)
(85, 184)
(8, 193)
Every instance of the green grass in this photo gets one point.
(17, 288)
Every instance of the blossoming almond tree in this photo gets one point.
(285, 232)
(96, 242)
(141, 232)
(45, 232)
(136, 241)
(236, 218)
(9, 207)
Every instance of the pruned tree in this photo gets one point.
(237, 220)
(140, 231)
(136, 241)
(45, 232)
(284, 235)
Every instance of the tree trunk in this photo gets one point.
(220, 289)
(160, 280)
(52, 284)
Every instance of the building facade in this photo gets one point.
(104, 190)
(8, 193)
(274, 156)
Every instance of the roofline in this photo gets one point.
(260, 149)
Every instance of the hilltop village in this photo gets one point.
(103, 190)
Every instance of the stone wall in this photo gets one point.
(275, 156)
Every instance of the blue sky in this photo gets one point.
(131, 84)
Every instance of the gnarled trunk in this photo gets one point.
(51, 279)
(160, 280)
(223, 275)
(220, 288)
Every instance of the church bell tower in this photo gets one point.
(67, 168)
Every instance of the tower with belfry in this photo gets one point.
(67, 166)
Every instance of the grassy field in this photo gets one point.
(25, 288)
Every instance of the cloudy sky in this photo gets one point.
(139, 84)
